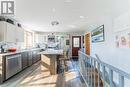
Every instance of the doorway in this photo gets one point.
(87, 43)
(76, 45)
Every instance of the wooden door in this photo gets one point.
(76, 45)
(87, 43)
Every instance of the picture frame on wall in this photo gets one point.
(97, 35)
(67, 42)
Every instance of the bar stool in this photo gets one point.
(63, 61)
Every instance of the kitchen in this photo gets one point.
(21, 48)
(64, 43)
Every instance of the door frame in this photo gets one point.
(88, 33)
(72, 43)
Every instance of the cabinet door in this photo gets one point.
(38, 55)
(34, 56)
(11, 33)
(24, 60)
(19, 34)
(2, 31)
(30, 60)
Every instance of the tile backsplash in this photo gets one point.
(18, 45)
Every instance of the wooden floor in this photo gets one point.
(39, 76)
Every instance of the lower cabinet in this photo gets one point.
(14, 63)
(24, 60)
(36, 56)
(29, 58)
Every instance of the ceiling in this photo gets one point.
(71, 14)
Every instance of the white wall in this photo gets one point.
(107, 51)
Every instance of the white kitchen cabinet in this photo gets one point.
(19, 34)
(10, 33)
(2, 31)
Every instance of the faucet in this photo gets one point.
(4, 48)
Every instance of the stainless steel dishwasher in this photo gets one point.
(13, 65)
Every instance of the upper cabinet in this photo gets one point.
(11, 33)
(19, 34)
(2, 31)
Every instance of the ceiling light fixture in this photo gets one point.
(81, 16)
(54, 10)
(54, 23)
(72, 26)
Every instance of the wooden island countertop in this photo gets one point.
(49, 59)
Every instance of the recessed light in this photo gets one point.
(81, 16)
(68, 1)
(54, 10)
(72, 26)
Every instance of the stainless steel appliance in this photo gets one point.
(13, 65)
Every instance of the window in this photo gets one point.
(76, 42)
(28, 39)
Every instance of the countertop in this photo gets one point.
(52, 52)
(19, 51)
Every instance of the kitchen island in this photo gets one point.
(50, 58)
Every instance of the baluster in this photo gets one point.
(94, 73)
(91, 62)
(121, 81)
(88, 70)
(104, 77)
(84, 71)
(98, 74)
(82, 64)
(111, 77)
(79, 61)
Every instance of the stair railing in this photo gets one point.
(99, 74)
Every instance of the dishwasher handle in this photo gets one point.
(13, 56)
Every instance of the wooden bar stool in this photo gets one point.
(63, 61)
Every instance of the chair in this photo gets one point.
(63, 60)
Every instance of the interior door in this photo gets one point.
(87, 43)
(76, 45)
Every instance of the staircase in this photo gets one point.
(99, 74)
(94, 76)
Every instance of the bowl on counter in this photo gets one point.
(12, 49)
